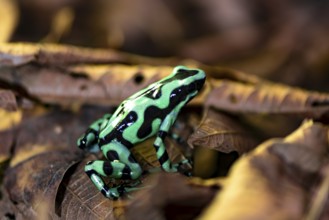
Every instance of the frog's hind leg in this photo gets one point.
(120, 165)
(115, 169)
(88, 141)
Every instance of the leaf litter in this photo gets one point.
(45, 169)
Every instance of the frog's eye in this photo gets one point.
(188, 72)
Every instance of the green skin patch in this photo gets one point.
(151, 111)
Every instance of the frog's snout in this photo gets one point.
(199, 83)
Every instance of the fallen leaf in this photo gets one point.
(45, 148)
(267, 98)
(7, 100)
(16, 54)
(221, 132)
(83, 84)
(273, 181)
(78, 198)
(36, 180)
(169, 196)
(319, 203)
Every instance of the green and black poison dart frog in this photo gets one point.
(151, 111)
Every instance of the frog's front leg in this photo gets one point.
(88, 141)
(122, 165)
(159, 145)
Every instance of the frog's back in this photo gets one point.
(129, 124)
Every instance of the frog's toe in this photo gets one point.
(184, 167)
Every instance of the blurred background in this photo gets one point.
(284, 41)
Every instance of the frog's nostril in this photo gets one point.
(82, 144)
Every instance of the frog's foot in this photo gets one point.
(113, 169)
(114, 192)
(118, 191)
(184, 167)
(124, 189)
(88, 142)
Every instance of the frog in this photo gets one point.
(149, 112)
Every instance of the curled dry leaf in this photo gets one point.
(169, 196)
(221, 132)
(7, 141)
(145, 153)
(78, 198)
(50, 85)
(7, 100)
(319, 207)
(266, 97)
(45, 148)
(7, 133)
(35, 181)
(274, 180)
(16, 54)
(81, 84)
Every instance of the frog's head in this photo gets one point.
(188, 82)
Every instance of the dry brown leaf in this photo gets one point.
(266, 97)
(7, 141)
(100, 85)
(53, 131)
(7, 100)
(222, 133)
(318, 208)
(7, 133)
(36, 180)
(273, 181)
(51, 85)
(45, 148)
(170, 196)
(78, 198)
(16, 54)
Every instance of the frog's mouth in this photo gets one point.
(199, 84)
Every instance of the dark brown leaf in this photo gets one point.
(45, 149)
(221, 132)
(170, 196)
(7, 141)
(35, 181)
(78, 198)
(7, 100)
(100, 85)
(320, 203)
(51, 85)
(7, 133)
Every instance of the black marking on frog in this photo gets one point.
(107, 168)
(164, 157)
(126, 173)
(117, 132)
(153, 112)
(112, 155)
